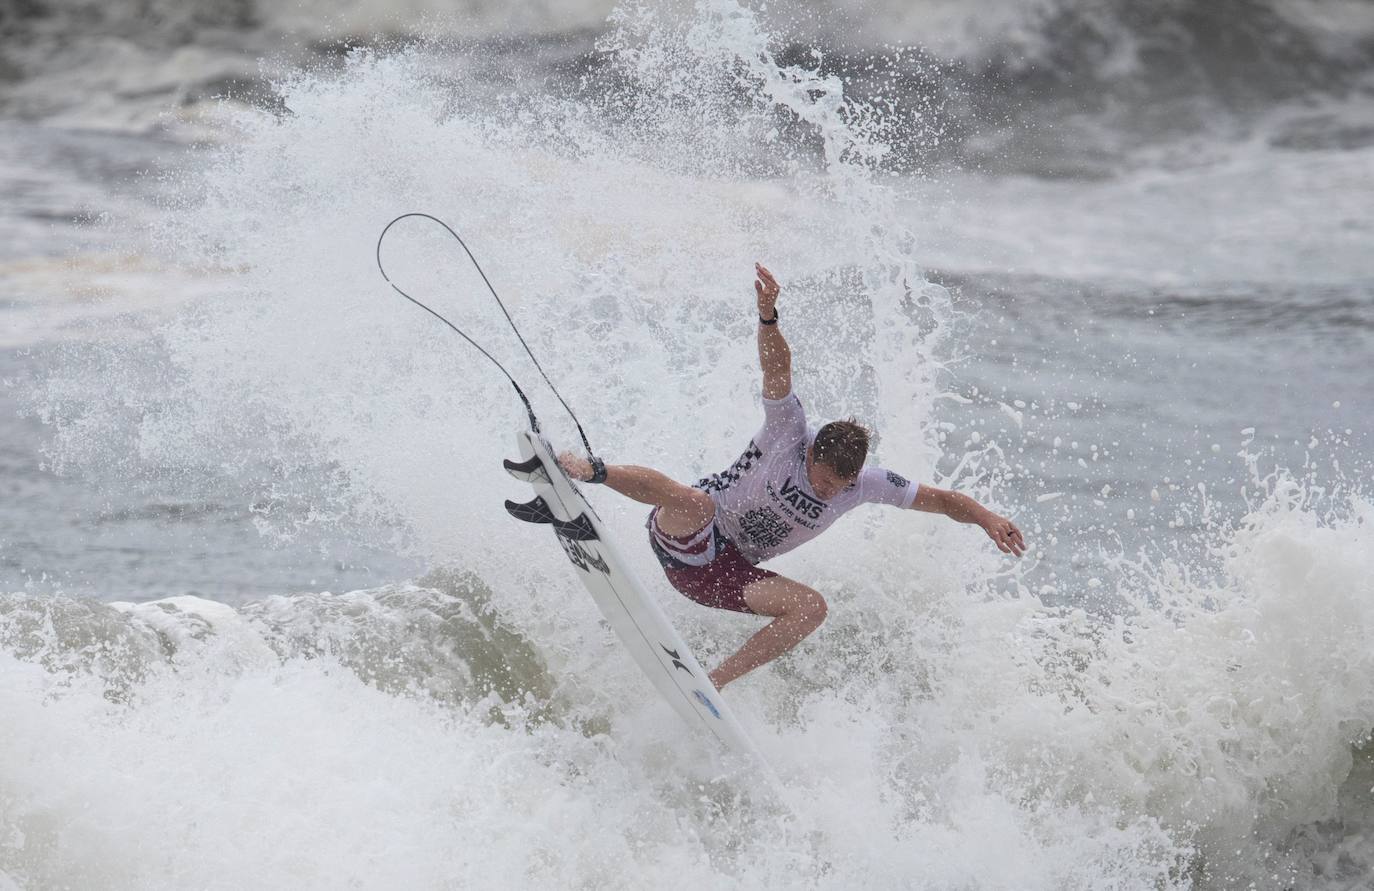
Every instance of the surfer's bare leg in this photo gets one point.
(797, 611)
(682, 510)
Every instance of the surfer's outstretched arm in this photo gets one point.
(963, 509)
(775, 356)
(682, 509)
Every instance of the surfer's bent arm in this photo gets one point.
(642, 484)
(775, 356)
(963, 509)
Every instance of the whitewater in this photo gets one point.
(356, 670)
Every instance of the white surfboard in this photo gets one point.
(651, 640)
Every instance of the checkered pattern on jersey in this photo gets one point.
(719, 482)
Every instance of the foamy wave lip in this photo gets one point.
(179, 622)
(440, 639)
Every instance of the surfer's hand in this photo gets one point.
(1004, 534)
(579, 469)
(766, 288)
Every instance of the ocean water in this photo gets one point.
(1107, 266)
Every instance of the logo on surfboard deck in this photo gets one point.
(677, 660)
(706, 701)
(582, 558)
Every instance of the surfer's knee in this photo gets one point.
(812, 609)
(683, 510)
(781, 597)
(806, 608)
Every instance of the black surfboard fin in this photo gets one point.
(536, 511)
(528, 471)
(579, 529)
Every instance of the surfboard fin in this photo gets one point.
(536, 511)
(579, 529)
(527, 471)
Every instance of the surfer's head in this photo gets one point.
(836, 457)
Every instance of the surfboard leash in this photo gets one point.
(529, 408)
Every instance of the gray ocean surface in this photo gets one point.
(1109, 266)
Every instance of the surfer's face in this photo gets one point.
(826, 482)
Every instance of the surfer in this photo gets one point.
(790, 485)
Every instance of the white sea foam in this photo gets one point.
(1188, 741)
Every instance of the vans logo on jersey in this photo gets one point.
(805, 504)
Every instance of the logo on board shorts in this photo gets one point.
(706, 701)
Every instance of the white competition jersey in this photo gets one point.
(764, 502)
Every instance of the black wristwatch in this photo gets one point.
(598, 470)
(772, 321)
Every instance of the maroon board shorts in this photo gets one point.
(706, 566)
